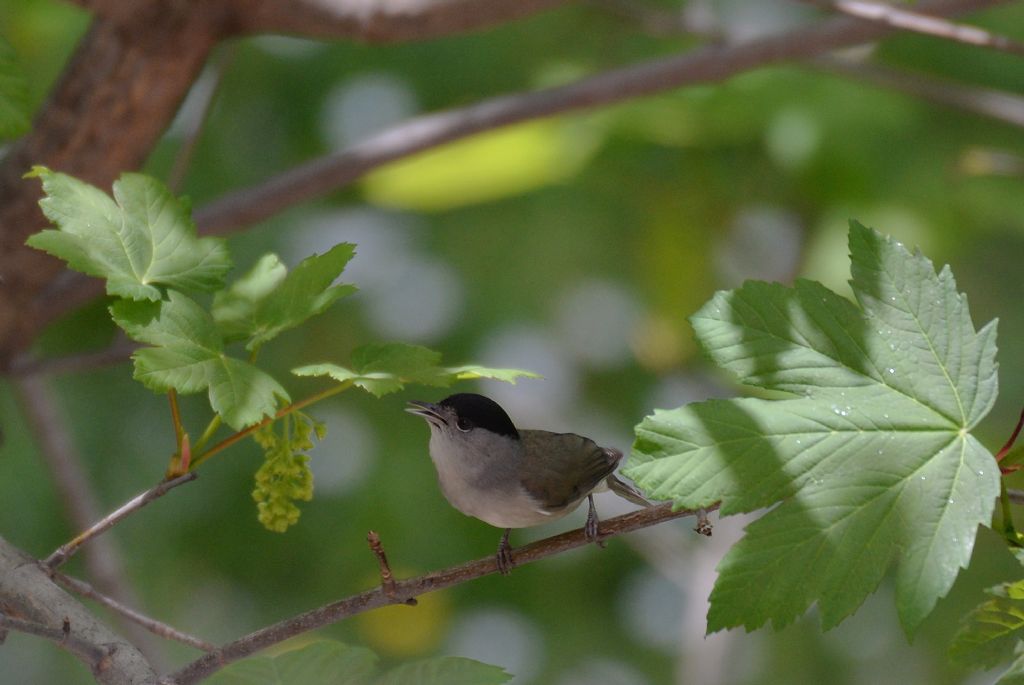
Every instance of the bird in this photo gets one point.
(515, 478)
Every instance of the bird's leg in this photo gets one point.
(591, 527)
(703, 524)
(504, 556)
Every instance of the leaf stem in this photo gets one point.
(1001, 454)
(182, 453)
(245, 432)
(179, 430)
(211, 428)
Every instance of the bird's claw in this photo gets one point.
(504, 556)
(592, 528)
(703, 524)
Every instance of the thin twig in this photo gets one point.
(710, 64)
(411, 588)
(387, 578)
(93, 654)
(156, 627)
(68, 549)
(920, 22)
(1015, 496)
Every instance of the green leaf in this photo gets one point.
(14, 99)
(189, 357)
(993, 631)
(142, 242)
(445, 670)
(269, 300)
(322, 662)
(873, 462)
(383, 368)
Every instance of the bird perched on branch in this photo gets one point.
(512, 478)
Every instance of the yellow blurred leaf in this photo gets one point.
(487, 166)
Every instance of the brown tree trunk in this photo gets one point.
(112, 103)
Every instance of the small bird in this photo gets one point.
(512, 478)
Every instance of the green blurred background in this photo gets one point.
(575, 247)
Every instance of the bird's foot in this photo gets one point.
(703, 524)
(504, 556)
(592, 528)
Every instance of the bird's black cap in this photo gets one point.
(481, 411)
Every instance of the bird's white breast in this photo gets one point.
(478, 485)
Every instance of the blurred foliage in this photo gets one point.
(665, 199)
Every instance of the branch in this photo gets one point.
(388, 21)
(156, 627)
(110, 106)
(27, 594)
(1007, 108)
(921, 22)
(103, 562)
(26, 365)
(707, 65)
(68, 549)
(401, 591)
(92, 654)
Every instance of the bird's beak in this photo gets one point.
(427, 410)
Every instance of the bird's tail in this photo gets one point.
(626, 491)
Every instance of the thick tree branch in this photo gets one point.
(27, 594)
(93, 655)
(112, 103)
(401, 591)
(714, 63)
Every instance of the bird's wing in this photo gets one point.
(557, 482)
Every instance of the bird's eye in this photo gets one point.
(464, 425)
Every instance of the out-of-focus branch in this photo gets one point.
(921, 22)
(83, 588)
(999, 105)
(103, 562)
(28, 594)
(68, 549)
(27, 365)
(207, 88)
(380, 21)
(401, 591)
(710, 64)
